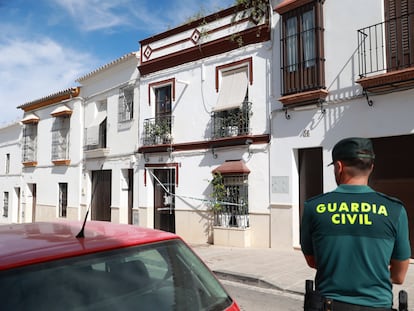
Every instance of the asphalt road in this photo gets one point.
(252, 298)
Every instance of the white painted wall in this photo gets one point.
(10, 136)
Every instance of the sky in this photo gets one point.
(45, 45)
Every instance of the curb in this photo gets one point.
(251, 280)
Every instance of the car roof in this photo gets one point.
(29, 243)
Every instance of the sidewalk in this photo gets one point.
(276, 269)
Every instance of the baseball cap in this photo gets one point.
(353, 148)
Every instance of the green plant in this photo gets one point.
(219, 192)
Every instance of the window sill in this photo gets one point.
(29, 163)
(97, 153)
(304, 98)
(61, 162)
(389, 81)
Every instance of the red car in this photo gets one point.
(45, 266)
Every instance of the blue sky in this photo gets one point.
(45, 45)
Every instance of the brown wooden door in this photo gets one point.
(101, 195)
(310, 175)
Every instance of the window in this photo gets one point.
(126, 104)
(60, 138)
(302, 55)
(7, 163)
(231, 114)
(237, 208)
(29, 142)
(5, 204)
(230, 192)
(399, 16)
(63, 199)
(96, 131)
(163, 100)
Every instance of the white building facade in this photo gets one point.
(51, 157)
(204, 109)
(110, 98)
(10, 173)
(342, 75)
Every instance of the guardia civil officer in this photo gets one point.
(355, 238)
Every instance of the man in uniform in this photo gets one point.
(356, 238)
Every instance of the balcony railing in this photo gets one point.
(386, 46)
(233, 122)
(157, 131)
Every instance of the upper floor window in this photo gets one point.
(231, 114)
(60, 138)
(126, 104)
(163, 100)
(399, 16)
(96, 131)
(7, 164)
(29, 143)
(302, 50)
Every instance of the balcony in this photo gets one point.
(233, 122)
(157, 131)
(386, 55)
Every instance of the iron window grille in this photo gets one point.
(60, 138)
(232, 122)
(302, 50)
(29, 142)
(5, 204)
(389, 45)
(157, 130)
(63, 199)
(234, 211)
(126, 104)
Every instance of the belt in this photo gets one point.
(334, 305)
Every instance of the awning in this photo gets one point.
(233, 89)
(61, 111)
(30, 118)
(232, 167)
(92, 131)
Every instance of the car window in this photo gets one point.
(158, 276)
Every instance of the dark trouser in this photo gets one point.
(315, 302)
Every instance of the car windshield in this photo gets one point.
(160, 276)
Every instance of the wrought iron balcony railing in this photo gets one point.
(157, 131)
(386, 46)
(233, 122)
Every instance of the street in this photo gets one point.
(252, 298)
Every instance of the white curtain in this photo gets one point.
(292, 44)
(308, 35)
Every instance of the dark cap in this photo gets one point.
(353, 148)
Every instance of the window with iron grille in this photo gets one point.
(232, 122)
(237, 196)
(60, 138)
(63, 199)
(302, 51)
(29, 142)
(126, 104)
(5, 204)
